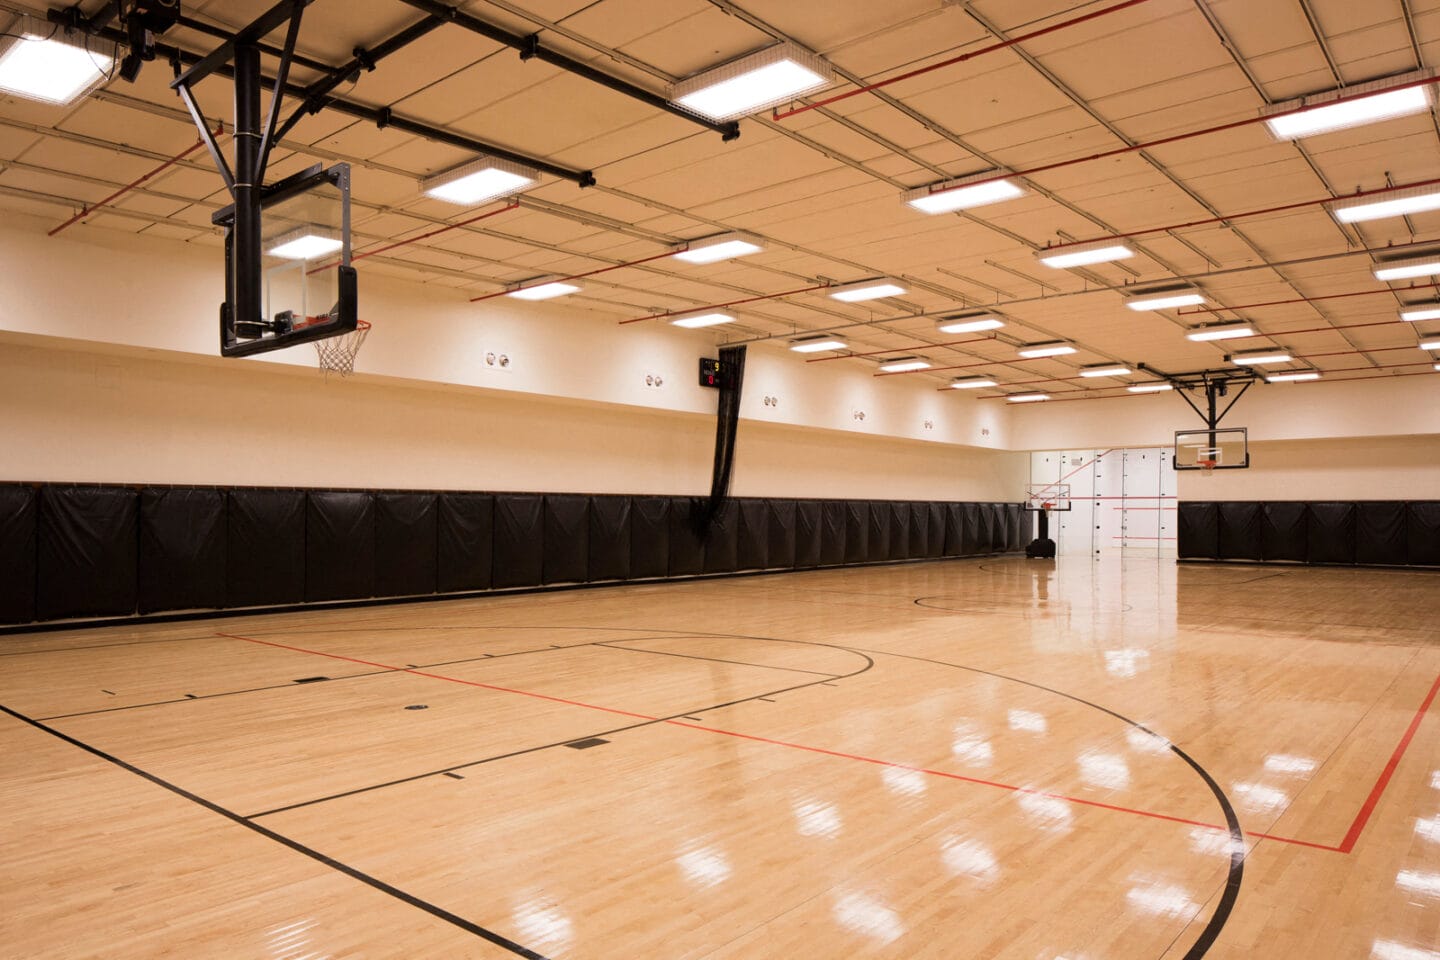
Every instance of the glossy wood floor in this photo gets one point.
(966, 759)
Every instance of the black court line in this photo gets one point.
(1237, 837)
(689, 656)
(682, 715)
(408, 898)
(103, 646)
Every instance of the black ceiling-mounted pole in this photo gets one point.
(1214, 383)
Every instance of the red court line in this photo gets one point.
(1363, 817)
(1345, 847)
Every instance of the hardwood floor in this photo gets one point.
(980, 758)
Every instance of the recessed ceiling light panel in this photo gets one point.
(904, 365)
(817, 344)
(1053, 348)
(1260, 357)
(723, 246)
(1027, 397)
(304, 243)
(1164, 298)
(969, 323)
(1220, 331)
(1085, 254)
(43, 62)
(1408, 267)
(542, 288)
(753, 82)
(867, 290)
(1149, 387)
(965, 193)
(481, 179)
(1105, 370)
(1420, 311)
(971, 383)
(1432, 344)
(1297, 377)
(709, 319)
(1400, 203)
(1348, 107)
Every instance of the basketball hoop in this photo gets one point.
(1047, 505)
(1206, 466)
(337, 354)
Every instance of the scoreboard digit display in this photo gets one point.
(712, 373)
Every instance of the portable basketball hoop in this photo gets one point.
(337, 354)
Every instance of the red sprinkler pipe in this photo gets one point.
(588, 273)
(1002, 45)
(717, 306)
(219, 132)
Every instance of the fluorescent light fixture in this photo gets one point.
(723, 246)
(1401, 203)
(1165, 298)
(542, 288)
(1431, 344)
(1357, 105)
(1085, 254)
(976, 190)
(304, 243)
(1027, 397)
(48, 66)
(1220, 331)
(904, 365)
(971, 383)
(711, 319)
(1437, 366)
(1420, 311)
(1053, 348)
(753, 82)
(867, 290)
(1260, 357)
(479, 180)
(969, 323)
(1105, 370)
(1424, 266)
(1149, 387)
(1291, 377)
(816, 344)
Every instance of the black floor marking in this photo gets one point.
(615, 645)
(352, 872)
(418, 706)
(587, 743)
(111, 692)
(191, 696)
(100, 646)
(765, 699)
(311, 679)
(453, 775)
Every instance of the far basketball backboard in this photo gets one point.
(1223, 448)
(1050, 497)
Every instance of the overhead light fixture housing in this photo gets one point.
(1027, 397)
(969, 323)
(971, 383)
(1085, 254)
(1295, 377)
(1052, 348)
(710, 318)
(1406, 268)
(752, 82)
(1220, 331)
(542, 288)
(479, 180)
(1432, 344)
(1420, 311)
(1164, 298)
(1105, 370)
(904, 365)
(1400, 203)
(42, 62)
(1351, 106)
(1260, 357)
(304, 243)
(867, 290)
(964, 193)
(819, 343)
(1149, 387)
(722, 246)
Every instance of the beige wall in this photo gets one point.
(1372, 468)
(114, 416)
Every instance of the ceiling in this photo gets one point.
(823, 186)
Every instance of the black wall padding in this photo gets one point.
(687, 550)
(1422, 522)
(972, 535)
(834, 525)
(519, 545)
(899, 530)
(1198, 530)
(985, 534)
(464, 547)
(1380, 534)
(721, 539)
(339, 545)
(1018, 540)
(649, 536)
(780, 536)
(182, 549)
(18, 509)
(610, 538)
(879, 548)
(1283, 525)
(87, 552)
(857, 531)
(1331, 536)
(567, 539)
(264, 547)
(935, 521)
(753, 535)
(405, 544)
(954, 529)
(810, 533)
(1239, 537)
(920, 530)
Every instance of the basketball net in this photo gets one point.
(1207, 467)
(337, 354)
